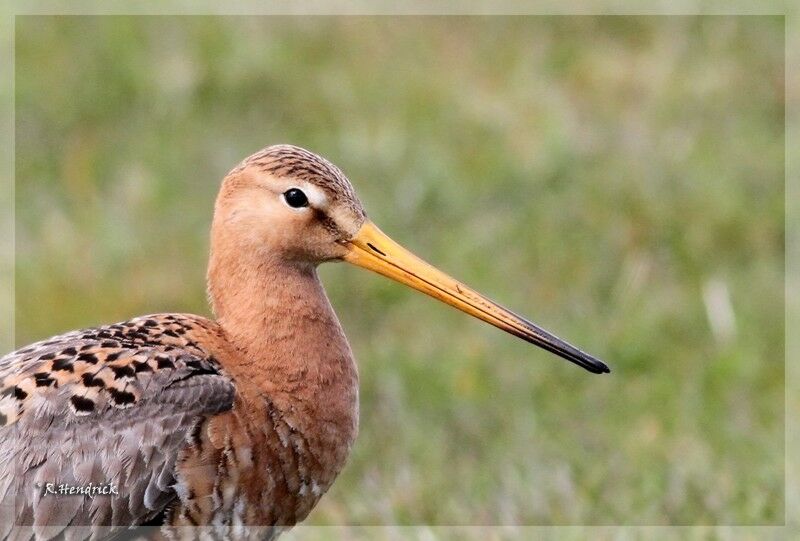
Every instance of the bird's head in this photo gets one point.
(289, 205)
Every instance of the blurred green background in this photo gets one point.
(618, 179)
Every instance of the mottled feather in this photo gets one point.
(109, 406)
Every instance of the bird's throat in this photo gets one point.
(276, 313)
(288, 339)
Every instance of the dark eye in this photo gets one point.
(295, 198)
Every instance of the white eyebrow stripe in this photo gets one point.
(316, 196)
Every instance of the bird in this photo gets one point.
(235, 425)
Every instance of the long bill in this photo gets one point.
(372, 249)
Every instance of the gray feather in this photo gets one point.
(131, 443)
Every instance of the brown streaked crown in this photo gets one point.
(290, 161)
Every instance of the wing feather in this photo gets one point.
(103, 407)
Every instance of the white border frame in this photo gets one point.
(791, 15)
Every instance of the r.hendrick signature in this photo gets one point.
(91, 490)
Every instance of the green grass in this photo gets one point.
(603, 175)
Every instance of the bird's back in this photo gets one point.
(93, 422)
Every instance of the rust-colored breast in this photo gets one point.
(257, 465)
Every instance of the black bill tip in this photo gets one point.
(576, 356)
(536, 335)
(593, 365)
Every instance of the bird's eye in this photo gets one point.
(295, 198)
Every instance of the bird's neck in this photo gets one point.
(291, 365)
(278, 316)
(289, 342)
